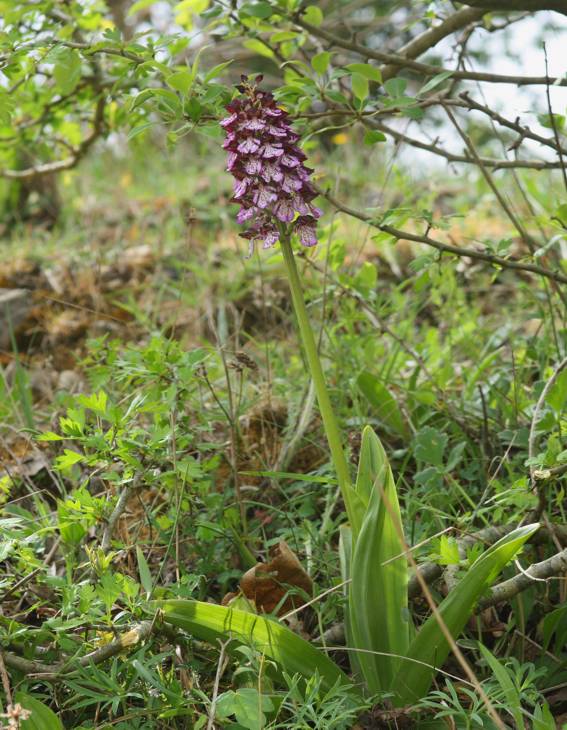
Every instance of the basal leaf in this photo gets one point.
(378, 603)
(430, 646)
(289, 651)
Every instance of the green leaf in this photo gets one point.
(385, 406)
(557, 394)
(370, 462)
(6, 107)
(435, 82)
(216, 71)
(140, 5)
(561, 213)
(135, 131)
(186, 9)
(430, 446)
(96, 402)
(50, 436)
(372, 136)
(511, 694)
(413, 680)
(395, 87)
(448, 551)
(283, 35)
(67, 70)
(313, 15)
(180, 81)
(378, 604)
(551, 121)
(360, 86)
(345, 560)
(320, 62)
(253, 44)
(41, 717)
(542, 718)
(72, 532)
(67, 459)
(289, 651)
(144, 572)
(261, 10)
(365, 69)
(247, 705)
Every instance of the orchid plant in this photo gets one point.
(273, 188)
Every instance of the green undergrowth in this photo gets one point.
(444, 359)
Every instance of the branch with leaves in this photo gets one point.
(494, 260)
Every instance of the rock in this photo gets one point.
(71, 381)
(15, 305)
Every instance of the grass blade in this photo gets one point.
(513, 700)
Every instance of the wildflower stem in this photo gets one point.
(308, 340)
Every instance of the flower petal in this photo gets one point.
(305, 227)
(244, 214)
(229, 120)
(263, 196)
(270, 150)
(253, 166)
(240, 187)
(284, 210)
(248, 145)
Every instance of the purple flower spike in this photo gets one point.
(271, 181)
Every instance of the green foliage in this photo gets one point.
(444, 356)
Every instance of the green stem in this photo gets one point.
(306, 334)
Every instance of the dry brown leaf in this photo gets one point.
(278, 585)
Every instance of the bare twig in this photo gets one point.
(5, 680)
(515, 6)
(431, 37)
(524, 132)
(496, 164)
(554, 123)
(488, 177)
(553, 567)
(218, 675)
(425, 69)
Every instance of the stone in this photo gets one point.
(15, 305)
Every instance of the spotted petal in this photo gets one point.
(249, 145)
(284, 210)
(305, 227)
